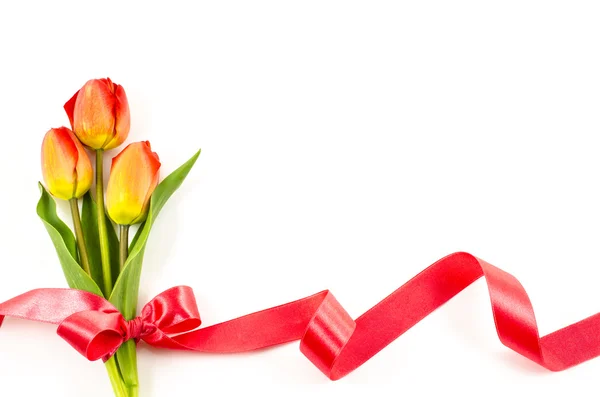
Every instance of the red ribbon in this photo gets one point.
(334, 342)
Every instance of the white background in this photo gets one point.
(346, 145)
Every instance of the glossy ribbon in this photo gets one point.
(330, 339)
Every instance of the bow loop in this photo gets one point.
(173, 311)
(94, 334)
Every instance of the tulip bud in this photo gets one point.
(99, 114)
(133, 178)
(66, 166)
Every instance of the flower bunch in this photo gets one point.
(95, 258)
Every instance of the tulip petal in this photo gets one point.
(70, 107)
(122, 117)
(144, 211)
(84, 171)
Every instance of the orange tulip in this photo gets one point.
(66, 166)
(133, 177)
(99, 114)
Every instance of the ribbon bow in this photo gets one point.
(99, 333)
(330, 338)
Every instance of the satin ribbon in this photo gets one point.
(330, 338)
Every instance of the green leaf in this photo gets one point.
(89, 221)
(125, 292)
(127, 359)
(65, 244)
(137, 236)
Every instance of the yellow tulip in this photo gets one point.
(133, 177)
(66, 166)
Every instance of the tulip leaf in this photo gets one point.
(65, 245)
(137, 236)
(89, 221)
(125, 292)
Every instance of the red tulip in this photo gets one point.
(66, 166)
(99, 114)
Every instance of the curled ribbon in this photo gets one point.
(330, 338)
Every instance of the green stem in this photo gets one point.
(115, 378)
(123, 244)
(83, 254)
(127, 359)
(134, 391)
(127, 353)
(102, 230)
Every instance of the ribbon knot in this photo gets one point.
(136, 329)
(100, 332)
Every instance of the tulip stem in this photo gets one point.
(123, 244)
(102, 230)
(116, 380)
(83, 254)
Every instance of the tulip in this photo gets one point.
(68, 174)
(133, 177)
(66, 167)
(99, 114)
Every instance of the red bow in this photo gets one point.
(99, 333)
(331, 339)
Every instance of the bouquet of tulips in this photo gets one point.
(94, 258)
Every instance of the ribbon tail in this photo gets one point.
(52, 305)
(337, 345)
(270, 327)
